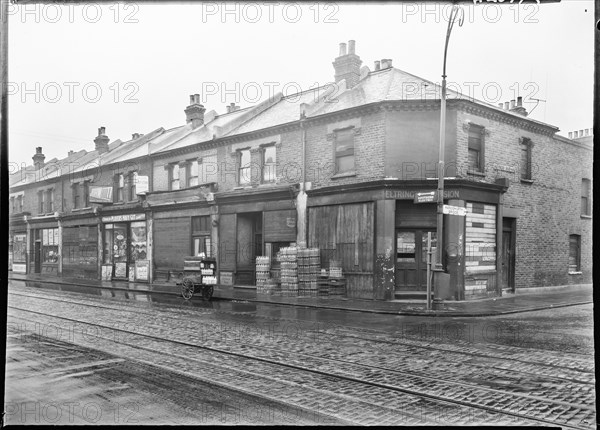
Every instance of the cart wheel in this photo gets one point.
(187, 289)
(207, 292)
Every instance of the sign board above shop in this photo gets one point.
(428, 197)
(124, 218)
(141, 185)
(101, 195)
(454, 210)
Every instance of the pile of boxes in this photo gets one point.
(288, 257)
(263, 273)
(309, 267)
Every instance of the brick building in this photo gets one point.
(337, 168)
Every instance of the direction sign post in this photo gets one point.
(454, 210)
(427, 197)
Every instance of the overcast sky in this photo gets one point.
(131, 67)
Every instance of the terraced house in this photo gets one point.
(337, 168)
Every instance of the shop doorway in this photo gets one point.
(508, 254)
(250, 245)
(411, 260)
(38, 256)
(124, 244)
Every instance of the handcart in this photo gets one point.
(200, 274)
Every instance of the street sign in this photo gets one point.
(454, 210)
(428, 197)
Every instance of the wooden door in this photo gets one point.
(508, 254)
(411, 259)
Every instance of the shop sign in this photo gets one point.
(122, 218)
(226, 278)
(101, 195)
(141, 185)
(454, 210)
(141, 270)
(412, 195)
(291, 222)
(428, 197)
(19, 268)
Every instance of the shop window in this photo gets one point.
(574, 253)
(76, 198)
(201, 240)
(50, 200)
(19, 248)
(191, 174)
(132, 183)
(526, 147)
(245, 170)
(344, 150)
(138, 249)
(586, 187)
(269, 164)
(50, 245)
(41, 202)
(476, 148)
(174, 177)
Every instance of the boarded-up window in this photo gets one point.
(227, 238)
(574, 253)
(480, 241)
(280, 226)
(172, 242)
(343, 233)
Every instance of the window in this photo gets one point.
(201, 242)
(86, 194)
(269, 164)
(476, 146)
(76, 198)
(344, 151)
(245, 171)
(132, 182)
(174, 177)
(50, 245)
(41, 203)
(120, 187)
(192, 173)
(586, 187)
(574, 253)
(50, 201)
(526, 159)
(19, 203)
(12, 204)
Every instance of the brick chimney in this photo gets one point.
(101, 141)
(194, 113)
(232, 108)
(347, 65)
(518, 109)
(38, 158)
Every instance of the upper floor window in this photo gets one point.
(50, 200)
(41, 202)
(526, 159)
(86, 194)
(269, 164)
(344, 150)
(132, 184)
(12, 204)
(574, 253)
(174, 177)
(76, 196)
(20, 203)
(476, 148)
(192, 173)
(245, 171)
(586, 188)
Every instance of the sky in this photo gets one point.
(131, 67)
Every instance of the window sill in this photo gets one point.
(586, 216)
(118, 203)
(575, 273)
(526, 181)
(80, 209)
(344, 175)
(475, 173)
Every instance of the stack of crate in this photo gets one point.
(263, 273)
(289, 271)
(337, 284)
(308, 271)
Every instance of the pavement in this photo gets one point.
(536, 299)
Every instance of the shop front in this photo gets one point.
(80, 248)
(125, 247)
(45, 248)
(17, 252)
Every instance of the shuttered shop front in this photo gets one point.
(171, 242)
(80, 252)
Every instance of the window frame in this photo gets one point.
(132, 179)
(479, 131)
(50, 200)
(526, 171)
(41, 201)
(75, 195)
(204, 235)
(241, 169)
(86, 193)
(336, 156)
(172, 179)
(264, 165)
(586, 188)
(188, 172)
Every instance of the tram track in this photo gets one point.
(368, 375)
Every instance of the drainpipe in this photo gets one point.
(301, 199)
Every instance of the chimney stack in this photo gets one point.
(570, 135)
(347, 65)
(38, 158)
(377, 65)
(136, 136)
(194, 113)
(515, 108)
(71, 152)
(101, 141)
(232, 107)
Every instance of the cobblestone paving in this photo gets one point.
(472, 375)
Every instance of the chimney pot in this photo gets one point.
(101, 141)
(101, 131)
(506, 105)
(570, 135)
(71, 152)
(575, 134)
(512, 104)
(351, 46)
(347, 67)
(519, 101)
(377, 65)
(342, 49)
(587, 131)
(500, 105)
(38, 150)
(191, 99)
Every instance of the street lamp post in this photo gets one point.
(456, 12)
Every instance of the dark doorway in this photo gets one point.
(250, 245)
(508, 254)
(38, 256)
(411, 259)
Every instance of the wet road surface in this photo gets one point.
(363, 368)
